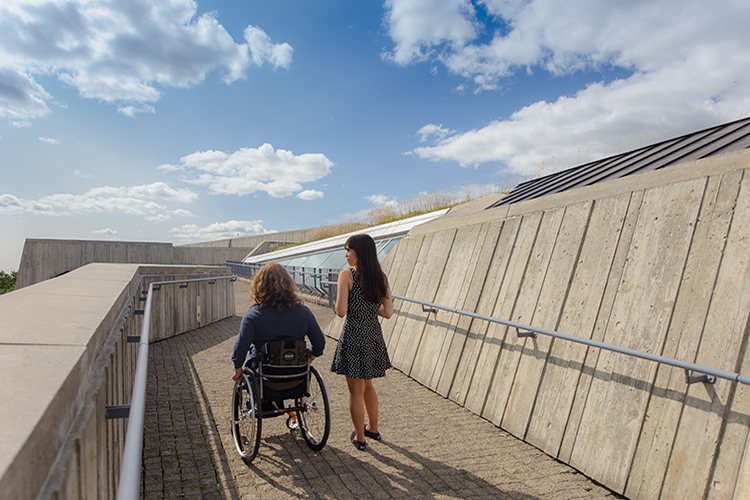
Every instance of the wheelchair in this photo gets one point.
(285, 384)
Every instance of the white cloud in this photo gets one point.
(420, 26)
(262, 49)
(381, 200)
(48, 140)
(78, 173)
(220, 230)
(432, 129)
(21, 98)
(106, 232)
(684, 65)
(117, 51)
(279, 173)
(135, 200)
(310, 194)
(131, 111)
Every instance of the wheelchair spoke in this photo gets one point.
(315, 416)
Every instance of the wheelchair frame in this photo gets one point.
(281, 362)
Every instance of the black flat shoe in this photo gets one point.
(360, 445)
(372, 435)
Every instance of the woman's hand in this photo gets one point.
(237, 376)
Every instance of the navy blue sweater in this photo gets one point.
(262, 325)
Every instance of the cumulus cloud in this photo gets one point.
(279, 173)
(381, 200)
(135, 200)
(431, 129)
(220, 230)
(310, 194)
(117, 51)
(682, 65)
(48, 140)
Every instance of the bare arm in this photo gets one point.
(386, 308)
(345, 283)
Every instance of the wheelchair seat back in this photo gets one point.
(284, 369)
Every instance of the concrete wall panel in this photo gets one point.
(490, 351)
(640, 316)
(534, 357)
(656, 262)
(458, 325)
(433, 260)
(564, 363)
(452, 291)
(499, 253)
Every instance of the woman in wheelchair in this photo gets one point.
(279, 379)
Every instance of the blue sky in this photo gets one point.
(180, 121)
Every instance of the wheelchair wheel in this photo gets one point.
(246, 417)
(315, 418)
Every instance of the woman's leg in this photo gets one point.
(357, 405)
(371, 404)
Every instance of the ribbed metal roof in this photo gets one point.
(726, 138)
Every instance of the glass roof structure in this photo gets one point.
(329, 253)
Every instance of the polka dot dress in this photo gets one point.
(361, 351)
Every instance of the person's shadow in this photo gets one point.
(288, 466)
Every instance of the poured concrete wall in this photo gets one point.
(64, 356)
(286, 237)
(658, 262)
(44, 258)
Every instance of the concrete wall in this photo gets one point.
(43, 258)
(658, 262)
(286, 237)
(64, 357)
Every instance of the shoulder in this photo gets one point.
(346, 275)
(253, 311)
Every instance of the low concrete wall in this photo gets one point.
(658, 262)
(43, 258)
(286, 237)
(64, 357)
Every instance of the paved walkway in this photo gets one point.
(431, 447)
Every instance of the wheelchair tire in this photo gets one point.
(315, 419)
(246, 417)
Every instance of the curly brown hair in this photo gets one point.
(272, 286)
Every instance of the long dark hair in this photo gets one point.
(273, 287)
(371, 276)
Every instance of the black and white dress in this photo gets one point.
(361, 351)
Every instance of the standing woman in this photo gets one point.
(363, 294)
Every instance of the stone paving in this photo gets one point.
(431, 447)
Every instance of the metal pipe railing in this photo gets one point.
(700, 369)
(701, 373)
(130, 472)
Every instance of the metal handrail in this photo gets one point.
(130, 471)
(701, 373)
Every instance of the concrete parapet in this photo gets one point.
(287, 237)
(656, 262)
(64, 357)
(45, 258)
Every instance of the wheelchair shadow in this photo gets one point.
(385, 470)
